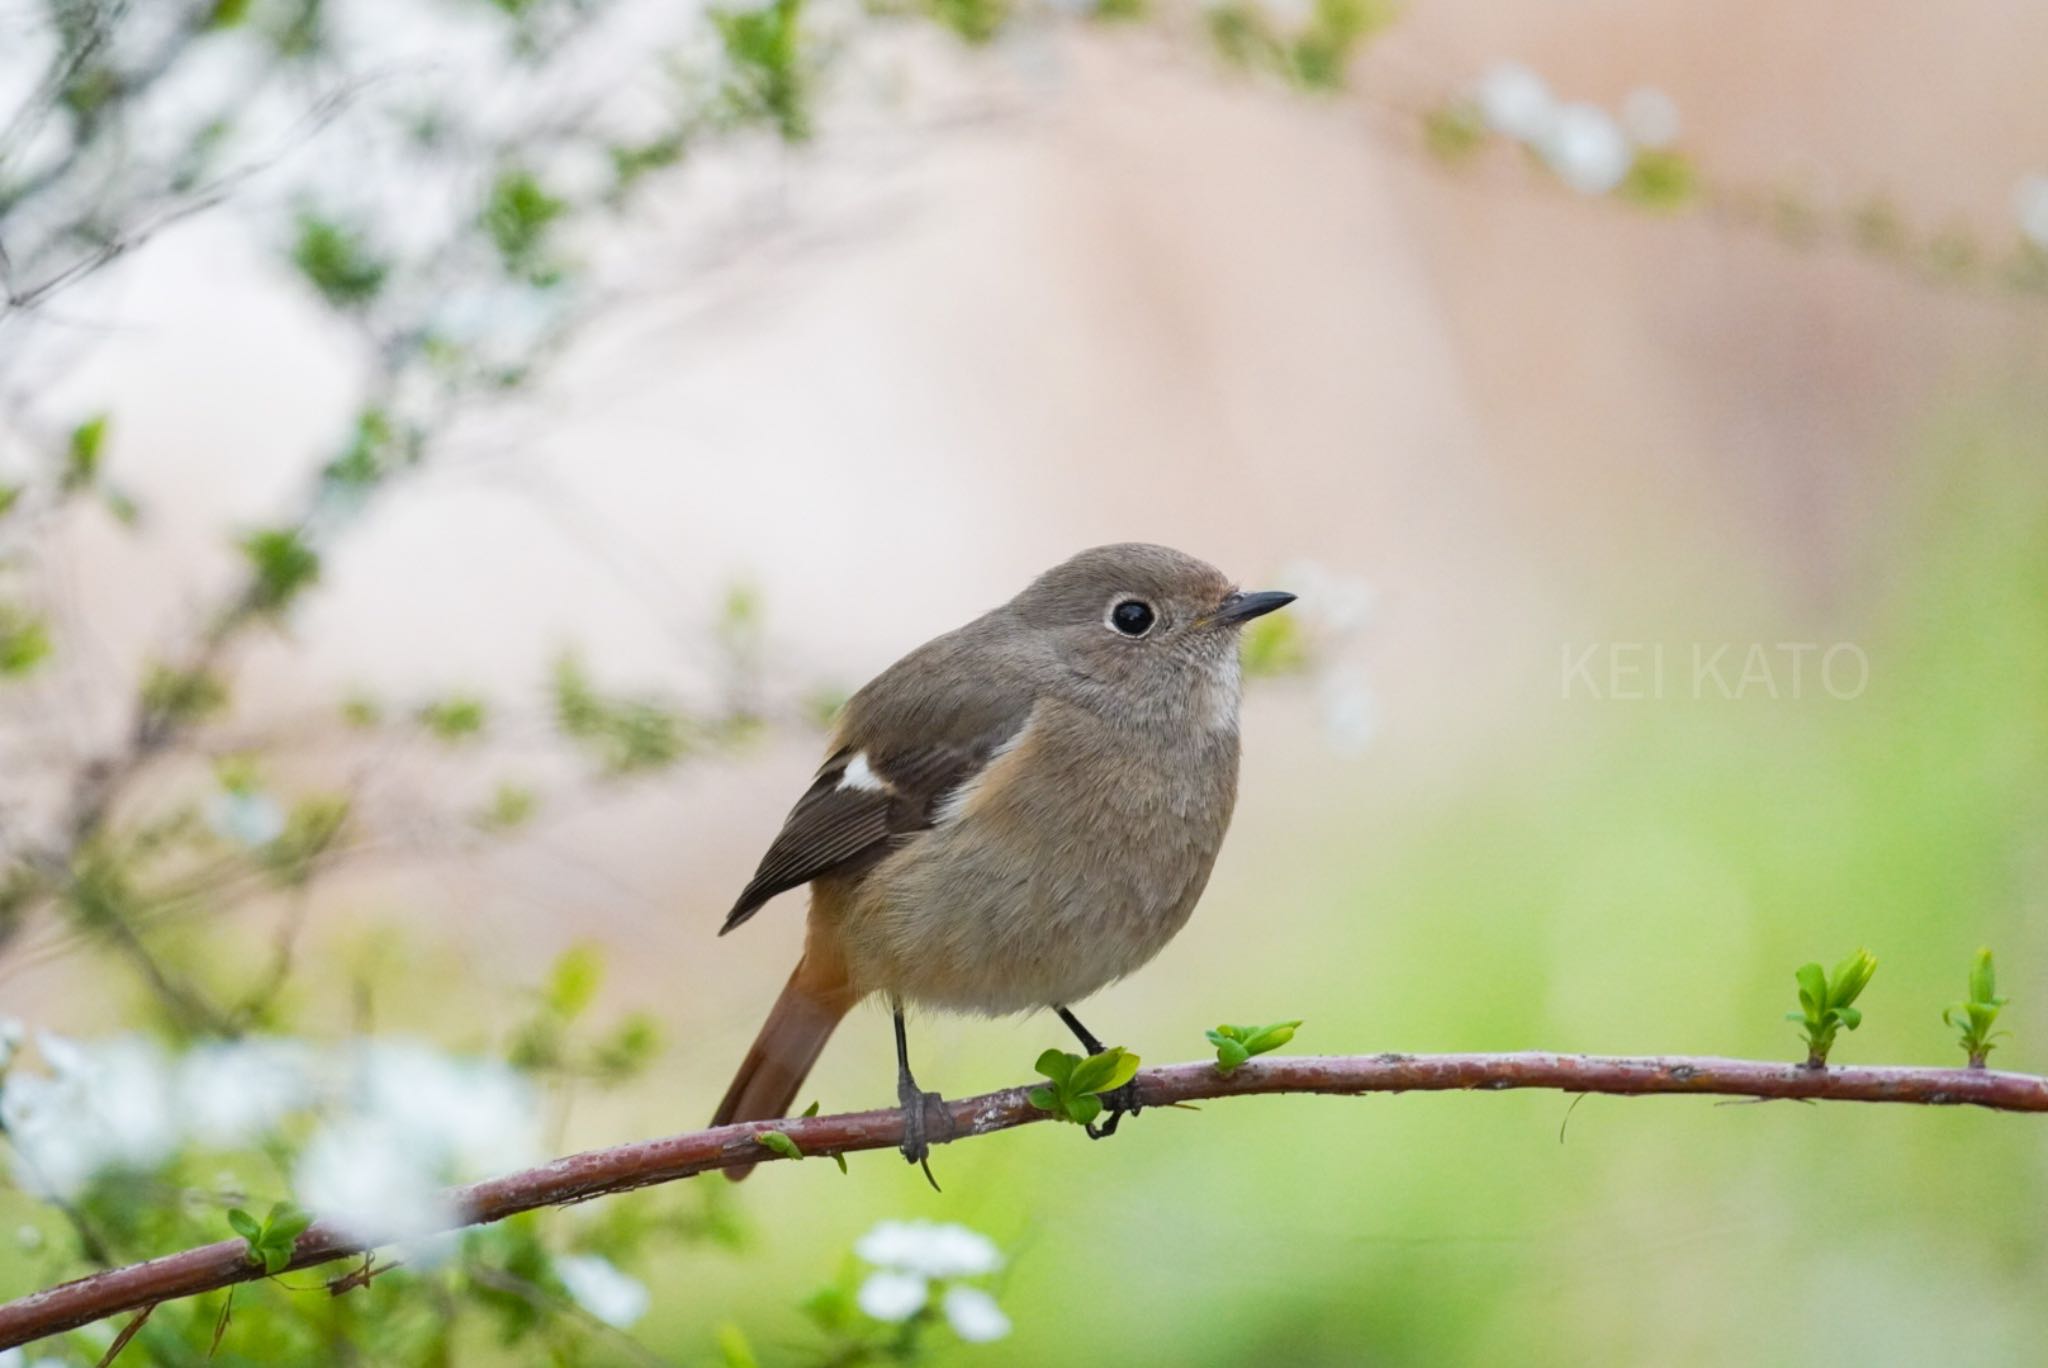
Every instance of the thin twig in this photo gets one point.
(622, 1168)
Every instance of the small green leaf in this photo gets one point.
(24, 641)
(733, 1349)
(287, 1222)
(336, 259)
(1057, 1065)
(1084, 1109)
(182, 696)
(574, 980)
(779, 1143)
(1984, 979)
(518, 216)
(122, 505)
(454, 719)
(1042, 1098)
(1093, 1073)
(82, 454)
(1272, 1037)
(1813, 988)
(1850, 978)
(811, 1110)
(512, 806)
(283, 564)
(1230, 1054)
(244, 1224)
(1850, 1016)
(840, 1160)
(1123, 1071)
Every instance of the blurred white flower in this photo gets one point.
(28, 1238)
(250, 819)
(474, 1117)
(2030, 206)
(930, 1248)
(1351, 713)
(1587, 149)
(1336, 602)
(10, 1358)
(1515, 101)
(742, 6)
(618, 1299)
(231, 1093)
(373, 1181)
(102, 1106)
(974, 1315)
(1650, 117)
(12, 1033)
(892, 1296)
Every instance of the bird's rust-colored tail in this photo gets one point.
(812, 1003)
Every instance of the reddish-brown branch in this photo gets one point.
(622, 1168)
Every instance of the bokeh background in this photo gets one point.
(1090, 282)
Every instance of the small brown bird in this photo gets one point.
(1011, 816)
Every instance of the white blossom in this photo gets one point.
(1331, 600)
(930, 1248)
(1587, 149)
(1351, 713)
(893, 1296)
(974, 1315)
(1650, 117)
(473, 1117)
(2030, 206)
(102, 1106)
(373, 1181)
(12, 1033)
(1515, 101)
(234, 1092)
(250, 819)
(618, 1299)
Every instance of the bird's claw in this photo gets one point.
(1116, 1105)
(918, 1108)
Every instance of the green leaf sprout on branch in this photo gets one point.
(272, 1239)
(1973, 1019)
(1825, 1003)
(1076, 1083)
(1235, 1044)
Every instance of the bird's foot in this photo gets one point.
(1116, 1105)
(919, 1110)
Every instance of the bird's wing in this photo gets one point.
(921, 730)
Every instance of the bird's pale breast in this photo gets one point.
(1067, 863)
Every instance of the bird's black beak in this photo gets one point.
(1241, 608)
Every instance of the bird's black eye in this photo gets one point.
(1132, 617)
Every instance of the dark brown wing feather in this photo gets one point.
(926, 725)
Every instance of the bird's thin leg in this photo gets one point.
(916, 1105)
(1081, 1033)
(1117, 1104)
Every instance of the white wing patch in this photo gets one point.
(860, 775)
(953, 806)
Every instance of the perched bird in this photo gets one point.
(1011, 816)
